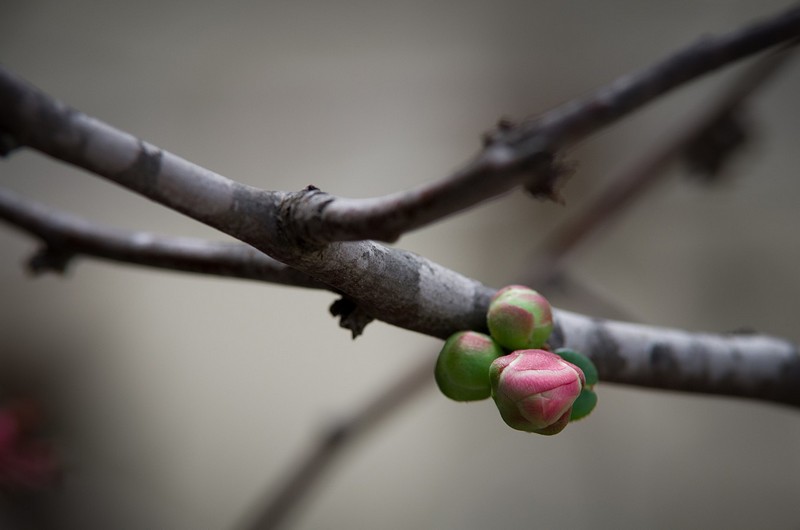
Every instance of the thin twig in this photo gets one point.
(515, 154)
(66, 236)
(294, 489)
(632, 182)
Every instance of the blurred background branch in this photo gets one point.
(692, 138)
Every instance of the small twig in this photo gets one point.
(642, 175)
(294, 489)
(66, 236)
(525, 152)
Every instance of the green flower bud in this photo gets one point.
(587, 401)
(582, 362)
(519, 318)
(462, 369)
(585, 404)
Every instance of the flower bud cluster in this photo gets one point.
(535, 390)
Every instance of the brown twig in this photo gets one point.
(634, 181)
(279, 504)
(524, 153)
(66, 236)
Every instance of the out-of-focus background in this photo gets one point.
(178, 400)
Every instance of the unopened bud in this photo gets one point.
(519, 318)
(581, 361)
(584, 405)
(462, 369)
(535, 390)
(587, 401)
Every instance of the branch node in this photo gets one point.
(49, 259)
(550, 173)
(499, 133)
(709, 153)
(300, 217)
(351, 316)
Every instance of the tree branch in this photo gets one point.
(401, 287)
(377, 277)
(513, 154)
(38, 121)
(407, 290)
(69, 236)
(525, 153)
(743, 365)
(66, 236)
(631, 183)
(754, 366)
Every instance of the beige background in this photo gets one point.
(180, 398)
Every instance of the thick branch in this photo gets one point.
(38, 121)
(744, 365)
(421, 295)
(739, 365)
(395, 286)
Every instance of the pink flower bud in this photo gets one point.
(534, 390)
